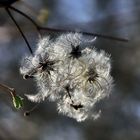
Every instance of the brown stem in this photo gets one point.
(8, 89)
(39, 28)
(11, 16)
(30, 19)
(28, 112)
(86, 33)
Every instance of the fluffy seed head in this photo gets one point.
(71, 72)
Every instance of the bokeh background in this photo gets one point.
(120, 118)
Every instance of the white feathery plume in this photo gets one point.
(71, 72)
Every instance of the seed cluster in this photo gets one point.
(70, 72)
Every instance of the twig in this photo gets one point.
(39, 28)
(28, 45)
(16, 99)
(85, 33)
(8, 89)
(30, 19)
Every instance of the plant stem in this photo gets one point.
(39, 28)
(30, 19)
(8, 89)
(86, 33)
(28, 45)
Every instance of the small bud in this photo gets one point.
(27, 113)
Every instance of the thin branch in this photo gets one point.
(16, 99)
(7, 89)
(39, 28)
(30, 19)
(28, 112)
(28, 45)
(86, 33)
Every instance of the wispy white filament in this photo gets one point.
(71, 72)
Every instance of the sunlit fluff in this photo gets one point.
(71, 72)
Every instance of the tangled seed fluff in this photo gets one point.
(70, 72)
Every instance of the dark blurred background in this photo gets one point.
(120, 118)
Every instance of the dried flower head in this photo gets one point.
(71, 72)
